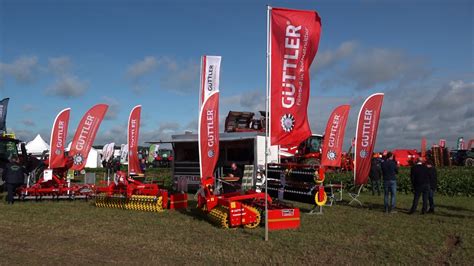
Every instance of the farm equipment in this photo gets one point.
(236, 209)
(53, 178)
(130, 194)
(126, 192)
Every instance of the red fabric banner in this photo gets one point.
(366, 134)
(133, 133)
(58, 139)
(293, 45)
(209, 118)
(85, 135)
(334, 136)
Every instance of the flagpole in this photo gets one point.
(267, 118)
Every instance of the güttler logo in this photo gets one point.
(331, 155)
(210, 153)
(78, 159)
(287, 122)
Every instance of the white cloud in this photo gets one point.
(172, 75)
(28, 122)
(67, 86)
(24, 69)
(141, 68)
(114, 108)
(59, 65)
(363, 68)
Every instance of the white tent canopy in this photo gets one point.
(37, 146)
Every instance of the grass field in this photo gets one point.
(79, 233)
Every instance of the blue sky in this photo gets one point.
(58, 54)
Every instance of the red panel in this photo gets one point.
(280, 219)
(178, 201)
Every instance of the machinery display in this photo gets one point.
(126, 192)
(53, 178)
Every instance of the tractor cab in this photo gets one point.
(8, 149)
(309, 151)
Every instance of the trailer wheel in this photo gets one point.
(469, 162)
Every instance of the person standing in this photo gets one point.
(14, 176)
(433, 185)
(420, 180)
(389, 171)
(375, 175)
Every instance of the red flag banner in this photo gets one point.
(209, 117)
(85, 135)
(58, 139)
(334, 136)
(293, 44)
(366, 134)
(423, 148)
(133, 133)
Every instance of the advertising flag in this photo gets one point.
(85, 135)
(3, 114)
(208, 133)
(366, 134)
(334, 136)
(423, 148)
(293, 45)
(58, 139)
(133, 132)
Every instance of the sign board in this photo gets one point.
(47, 175)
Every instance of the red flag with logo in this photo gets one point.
(133, 133)
(294, 43)
(85, 135)
(366, 134)
(209, 117)
(334, 136)
(58, 139)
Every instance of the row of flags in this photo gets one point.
(293, 40)
(85, 136)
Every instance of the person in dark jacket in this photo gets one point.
(389, 171)
(375, 175)
(233, 180)
(433, 184)
(420, 179)
(14, 176)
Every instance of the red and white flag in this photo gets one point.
(133, 133)
(85, 135)
(293, 46)
(58, 139)
(208, 133)
(366, 134)
(334, 136)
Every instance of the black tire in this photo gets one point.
(469, 162)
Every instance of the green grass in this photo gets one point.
(79, 233)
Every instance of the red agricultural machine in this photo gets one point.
(51, 180)
(130, 194)
(236, 209)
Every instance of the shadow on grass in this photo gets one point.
(453, 208)
(193, 212)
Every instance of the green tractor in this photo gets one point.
(9, 149)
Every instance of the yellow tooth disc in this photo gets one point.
(219, 216)
(136, 202)
(257, 213)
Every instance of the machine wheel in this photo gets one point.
(311, 161)
(257, 213)
(469, 162)
(220, 216)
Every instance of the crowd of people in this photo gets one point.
(423, 178)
